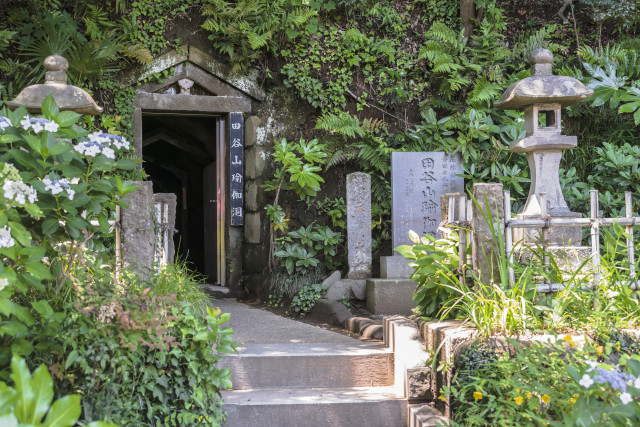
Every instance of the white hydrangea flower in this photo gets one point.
(25, 122)
(39, 124)
(626, 398)
(116, 141)
(109, 153)
(592, 365)
(19, 191)
(4, 123)
(89, 148)
(6, 241)
(586, 381)
(3, 283)
(58, 186)
(51, 126)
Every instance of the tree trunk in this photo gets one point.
(468, 15)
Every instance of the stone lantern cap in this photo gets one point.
(543, 86)
(67, 97)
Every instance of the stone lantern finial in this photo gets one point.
(542, 97)
(67, 97)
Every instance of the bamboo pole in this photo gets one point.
(468, 218)
(462, 234)
(118, 246)
(628, 204)
(595, 237)
(544, 215)
(508, 236)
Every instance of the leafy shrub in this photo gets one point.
(29, 401)
(436, 265)
(545, 384)
(306, 299)
(141, 358)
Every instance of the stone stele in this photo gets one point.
(359, 225)
(418, 179)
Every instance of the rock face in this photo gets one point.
(359, 225)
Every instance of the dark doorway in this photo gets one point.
(179, 153)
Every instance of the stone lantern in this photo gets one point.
(542, 97)
(67, 97)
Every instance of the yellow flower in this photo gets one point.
(528, 395)
(444, 399)
(517, 390)
(600, 350)
(519, 400)
(477, 395)
(545, 398)
(567, 338)
(572, 344)
(574, 399)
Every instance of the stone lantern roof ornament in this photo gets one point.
(542, 97)
(67, 97)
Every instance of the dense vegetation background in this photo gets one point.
(379, 76)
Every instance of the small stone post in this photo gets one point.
(138, 230)
(489, 198)
(359, 225)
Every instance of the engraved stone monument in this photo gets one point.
(418, 179)
(359, 225)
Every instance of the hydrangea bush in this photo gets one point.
(56, 179)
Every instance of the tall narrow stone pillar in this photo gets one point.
(359, 225)
(488, 209)
(138, 230)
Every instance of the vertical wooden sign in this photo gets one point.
(236, 168)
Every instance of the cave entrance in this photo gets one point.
(180, 154)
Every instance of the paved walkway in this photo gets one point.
(253, 325)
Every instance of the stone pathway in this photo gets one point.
(253, 325)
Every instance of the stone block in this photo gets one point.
(490, 199)
(359, 225)
(390, 296)
(255, 162)
(169, 223)
(138, 230)
(333, 278)
(395, 267)
(251, 125)
(329, 311)
(346, 288)
(251, 192)
(419, 384)
(253, 228)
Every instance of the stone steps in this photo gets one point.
(335, 407)
(338, 384)
(311, 365)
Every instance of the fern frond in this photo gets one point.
(139, 53)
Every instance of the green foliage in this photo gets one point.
(140, 358)
(30, 401)
(177, 279)
(554, 384)
(336, 209)
(304, 301)
(245, 29)
(297, 250)
(284, 285)
(436, 268)
(298, 164)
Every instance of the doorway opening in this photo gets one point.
(180, 156)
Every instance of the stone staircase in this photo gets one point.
(340, 384)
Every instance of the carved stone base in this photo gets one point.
(556, 236)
